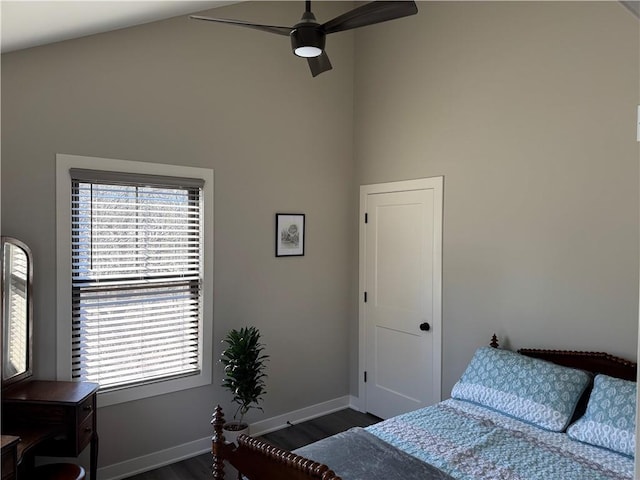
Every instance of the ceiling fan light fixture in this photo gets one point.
(308, 51)
(307, 42)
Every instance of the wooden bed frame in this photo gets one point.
(259, 460)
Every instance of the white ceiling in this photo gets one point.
(28, 23)
(633, 5)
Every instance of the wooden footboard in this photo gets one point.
(258, 460)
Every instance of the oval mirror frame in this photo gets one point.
(16, 329)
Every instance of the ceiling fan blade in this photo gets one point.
(369, 14)
(256, 26)
(319, 64)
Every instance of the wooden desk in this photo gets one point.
(56, 419)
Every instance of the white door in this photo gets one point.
(400, 309)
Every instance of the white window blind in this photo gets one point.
(137, 266)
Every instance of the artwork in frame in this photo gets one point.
(289, 234)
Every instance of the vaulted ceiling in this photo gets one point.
(31, 23)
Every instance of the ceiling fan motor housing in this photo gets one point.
(306, 35)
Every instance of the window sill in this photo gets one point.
(130, 394)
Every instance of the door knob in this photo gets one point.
(425, 327)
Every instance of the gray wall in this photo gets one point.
(528, 110)
(235, 100)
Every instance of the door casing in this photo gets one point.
(437, 184)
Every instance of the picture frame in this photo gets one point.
(290, 231)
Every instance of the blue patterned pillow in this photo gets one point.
(610, 420)
(529, 389)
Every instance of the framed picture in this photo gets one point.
(289, 234)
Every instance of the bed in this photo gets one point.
(527, 415)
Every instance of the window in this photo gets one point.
(137, 315)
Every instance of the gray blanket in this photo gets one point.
(358, 455)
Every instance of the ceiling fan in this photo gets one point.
(308, 36)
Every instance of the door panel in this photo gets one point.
(391, 360)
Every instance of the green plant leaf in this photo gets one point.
(244, 368)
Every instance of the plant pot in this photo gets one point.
(232, 430)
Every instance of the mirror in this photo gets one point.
(17, 311)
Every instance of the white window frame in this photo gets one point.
(65, 162)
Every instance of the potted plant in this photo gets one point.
(244, 365)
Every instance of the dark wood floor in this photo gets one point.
(290, 438)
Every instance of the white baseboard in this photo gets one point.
(302, 415)
(356, 404)
(159, 459)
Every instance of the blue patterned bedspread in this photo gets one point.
(470, 442)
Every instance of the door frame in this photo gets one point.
(437, 185)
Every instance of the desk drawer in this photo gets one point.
(85, 432)
(85, 409)
(25, 413)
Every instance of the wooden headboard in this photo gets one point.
(594, 362)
